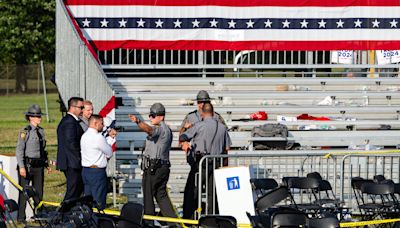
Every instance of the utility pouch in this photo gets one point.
(28, 170)
(154, 165)
(145, 164)
(191, 157)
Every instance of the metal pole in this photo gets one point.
(44, 91)
(7, 80)
(38, 79)
(114, 182)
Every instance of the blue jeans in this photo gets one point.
(95, 181)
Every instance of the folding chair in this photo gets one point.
(263, 185)
(356, 183)
(328, 200)
(131, 215)
(39, 212)
(217, 221)
(307, 187)
(377, 204)
(326, 187)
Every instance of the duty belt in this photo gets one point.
(164, 162)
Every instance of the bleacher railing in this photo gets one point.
(257, 63)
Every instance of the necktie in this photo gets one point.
(41, 143)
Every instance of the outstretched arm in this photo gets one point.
(142, 125)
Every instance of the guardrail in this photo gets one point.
(336, 167)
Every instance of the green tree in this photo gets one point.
(27, 31)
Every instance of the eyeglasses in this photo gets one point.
(152, 116)
(81, 107)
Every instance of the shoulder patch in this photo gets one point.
(22, 135)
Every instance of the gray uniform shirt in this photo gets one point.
(159, 143)
(202, 134)
(194, 117)
(28, 141)
(84, 123)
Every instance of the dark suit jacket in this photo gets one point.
(69, 133)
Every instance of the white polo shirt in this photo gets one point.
(94, 149)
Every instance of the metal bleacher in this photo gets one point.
(362, 98)
(361, 109)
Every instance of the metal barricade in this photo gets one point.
(366, 166)
(337, 168)
(276, 165)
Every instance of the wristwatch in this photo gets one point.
(138, 121)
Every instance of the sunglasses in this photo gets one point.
(81, 107)
(152, 116)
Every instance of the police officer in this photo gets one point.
(31, 156)
(156, 164)
(193, 117)
(208, 137)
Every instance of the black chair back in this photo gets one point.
(304, 183)
(328, 222)
(315, 175)
(289, 219)
(263, 183)
(271, 198)
(379, 178)
(131, 215)
(377, 189)
(217, 221)
(105, 222)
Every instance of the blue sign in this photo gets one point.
(233, 183)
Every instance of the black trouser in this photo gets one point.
(190, 197)
(74, 183)
(155, 186)
(36, 175)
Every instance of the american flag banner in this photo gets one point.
(239, 25)
(108, 114)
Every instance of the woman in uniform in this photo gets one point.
(31, 156)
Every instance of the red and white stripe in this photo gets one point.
(240, 39)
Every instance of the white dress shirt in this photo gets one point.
(75, 117)
(94, 149)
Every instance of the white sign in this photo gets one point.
(387, 57)
(9, 165)
(235, 196)
(343, 57)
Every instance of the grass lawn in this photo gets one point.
(12, 120)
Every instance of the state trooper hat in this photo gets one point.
(34, 110)
(202, 96)
(157, 109)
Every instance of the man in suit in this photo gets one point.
(69, 133)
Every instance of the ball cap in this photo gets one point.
(34, 110)
(202, 95)
(158, 109)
